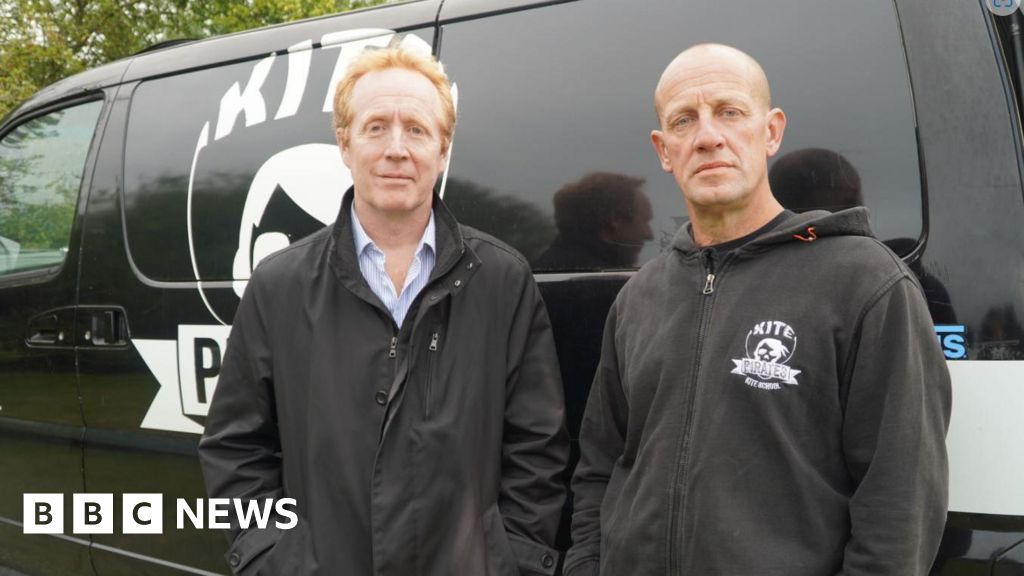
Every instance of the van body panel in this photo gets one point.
(40, 417)
(976, 214)
(455, 10)
(986, 463)
(162, 247)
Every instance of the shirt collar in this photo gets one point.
(362, 239)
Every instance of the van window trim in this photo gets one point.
(1014, 101)
(41, 275)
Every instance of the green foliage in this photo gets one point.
(42, 41)
(40, 226)
(37, 192)
(35, 225)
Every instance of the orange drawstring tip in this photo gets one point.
(811, 235)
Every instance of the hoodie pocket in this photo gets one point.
(500, 559)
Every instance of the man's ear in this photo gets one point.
(341, 138)
(776, 125)
(446, 149)
(658, 141)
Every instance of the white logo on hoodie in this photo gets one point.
(769, 346)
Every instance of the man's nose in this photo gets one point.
(397, 147)
(708, 136)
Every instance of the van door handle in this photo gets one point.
(51, 328)
(44, 331)
(105, 326)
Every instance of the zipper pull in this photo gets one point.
(393, 350)
(708, 257)
(433, 342)
(709, 284)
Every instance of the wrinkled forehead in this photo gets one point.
(713, 75)
(706, 89)
(395, 88)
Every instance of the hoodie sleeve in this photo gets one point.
(896, 417)
(535, 448)
(602, 441)
(240, 448)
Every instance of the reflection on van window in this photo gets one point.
(815, 179)
(603, 221)
(41, 163)
(540, 110)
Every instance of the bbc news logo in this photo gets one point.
(144, 513)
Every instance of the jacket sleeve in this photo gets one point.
(240, 452)
(602, 441)
(535, 448)
(896, 416)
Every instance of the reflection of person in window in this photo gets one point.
(603, 221)
(1000, 335)
(821, 179)
(815, 179)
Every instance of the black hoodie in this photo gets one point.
(781, 411)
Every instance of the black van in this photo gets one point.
(136, 198)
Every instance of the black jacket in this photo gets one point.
(434, 449)
(785, 417)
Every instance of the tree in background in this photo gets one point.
(42, 41)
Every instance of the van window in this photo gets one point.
(225, 165)
(552, 151)
(41, 164)
(194, 143)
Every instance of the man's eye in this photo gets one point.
(417, 130)
(375, 128)
(730, 113)
(683, 121)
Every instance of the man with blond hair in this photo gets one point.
(771, 398)
(394, 373)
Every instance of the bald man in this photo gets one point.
(771, 399)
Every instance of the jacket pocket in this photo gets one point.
(500, 559)
(433, 349)
(272, 551)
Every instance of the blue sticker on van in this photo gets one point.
(952, 339)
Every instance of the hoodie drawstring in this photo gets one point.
(811, 235)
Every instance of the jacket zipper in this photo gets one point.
(709, 283)
(678, 500)
(432, 350)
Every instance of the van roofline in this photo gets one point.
(178, 57)
(235, 47)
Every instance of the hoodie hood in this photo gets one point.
(806, 227)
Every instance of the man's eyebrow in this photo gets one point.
(373, 116)
(737, 99)
(404, 115)
(678, 109)
(717, 102)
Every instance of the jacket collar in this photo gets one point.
(363, 240)
(803, 228)
(449, 248)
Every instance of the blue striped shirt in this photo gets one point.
(371, 264)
